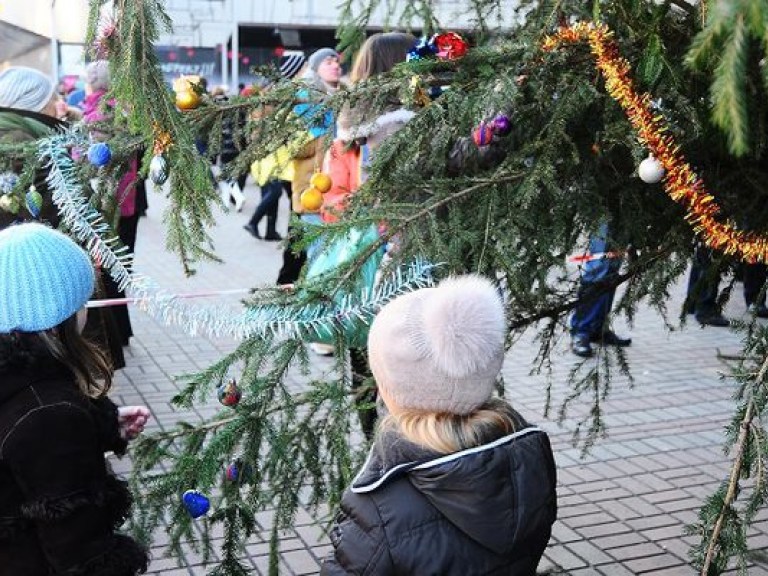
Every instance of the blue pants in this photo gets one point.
(590, 314)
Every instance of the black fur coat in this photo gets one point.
(59, 505)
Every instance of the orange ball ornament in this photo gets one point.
(187, 100)
(311, 199)
(321, 181)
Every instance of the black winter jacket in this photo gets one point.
(59, 505)
(485, 510)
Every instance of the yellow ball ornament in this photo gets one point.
(311, 199)
(321, 181)
(187, 100)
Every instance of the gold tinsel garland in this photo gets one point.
(680, 181)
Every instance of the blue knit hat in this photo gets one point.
(44, 278)
(25, 89)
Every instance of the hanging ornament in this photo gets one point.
(9, 203)
(105, 39)
(311, 199)
(7, 181)
(436, 91)
(321, 181)
(229, 394)
(196, 503)
(650, 170)
(186, 89)
(158, 170)
(237, 471)
(450, 45)
(34, 202)
(187, 100)
(501, 125)
(424, 48)
(483, 134)
(99, 154)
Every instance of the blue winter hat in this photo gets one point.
(44, 278)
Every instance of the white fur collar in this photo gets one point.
(399, 116)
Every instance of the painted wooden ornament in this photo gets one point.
(196, 503)
(99, 154)
(34, 202)
(229, 394)
(650, 170)
(158, 170)
(483, 134)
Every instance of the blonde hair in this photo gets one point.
(447, 433)
(380, 53)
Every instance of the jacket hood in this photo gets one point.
(496, 494)
(31, 125)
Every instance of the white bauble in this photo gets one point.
(650, 170)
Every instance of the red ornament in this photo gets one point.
(482, 135)
(279, 51)
(450, 45)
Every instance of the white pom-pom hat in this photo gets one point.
(440, 349)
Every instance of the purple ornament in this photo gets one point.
(99, 154)
(501, 125)
(196, 503)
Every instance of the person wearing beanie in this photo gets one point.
(59, 503)
(29, 110)
(456, 482)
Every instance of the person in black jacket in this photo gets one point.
(457, 482)
(60, 507)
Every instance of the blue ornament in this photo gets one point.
(237, 471)
(197, 504)
(424, 48)
(34, 201)
(99, 154)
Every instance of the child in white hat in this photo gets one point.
(457, 482)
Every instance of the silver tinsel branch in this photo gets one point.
(87, 225)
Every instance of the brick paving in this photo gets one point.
(623, 506)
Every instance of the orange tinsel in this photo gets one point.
(680, 181)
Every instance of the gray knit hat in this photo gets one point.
(97, 75)
(317, 57)
(25, 89)
(440, 349)
(291, 63)
(46, 278)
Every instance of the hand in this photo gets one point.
(131, 420)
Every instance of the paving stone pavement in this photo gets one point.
(622, 507)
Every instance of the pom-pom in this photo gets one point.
(650, 170)
(464, 325)
(482, 135)
(7, 181)
(196, 503)
(99, 154)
